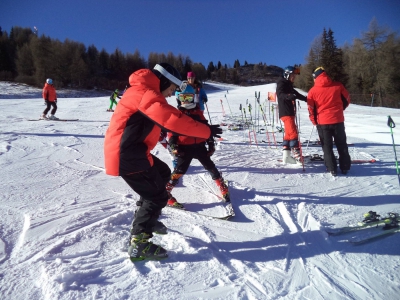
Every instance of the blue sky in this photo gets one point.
(278, 32)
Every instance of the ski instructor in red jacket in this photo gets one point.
(326, 102)
(133, 132)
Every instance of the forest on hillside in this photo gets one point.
(368, 67)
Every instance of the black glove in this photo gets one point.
(291, 97)
(205, 99)
(211, 148)
(55, 101)
(216, 130)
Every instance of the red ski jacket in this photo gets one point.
(326, 101)
(49, 93)
(136, 124)
(197, 115)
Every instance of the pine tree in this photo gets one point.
(372, 41)
(332, 58)
(210, 69)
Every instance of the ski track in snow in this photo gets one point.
(65, 224)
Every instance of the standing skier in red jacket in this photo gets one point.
(327, 101)
(50, 98)
(133, 132)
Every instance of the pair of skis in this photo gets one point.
(60, 120)
(225, 202)
(319, 158)
(384, 226)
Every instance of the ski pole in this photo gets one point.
(391, 124)
(251, 120)
(255, 105)
(265, 121)
(223, 110)
(310, 137)
(240, 107)
(269, 111)
(298, 116)
(209, 117)
(257, 112)
(300, 147)
(273, 126)
(228, 105)
(245, 116)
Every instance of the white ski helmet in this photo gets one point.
(167, 75)
(49, 81)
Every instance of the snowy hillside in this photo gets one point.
(64, 222)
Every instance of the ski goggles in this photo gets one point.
(186, 98)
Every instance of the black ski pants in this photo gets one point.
(49, 105)
(150, 186)
(196, 151)
(328, 134)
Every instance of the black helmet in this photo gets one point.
(167, 75)
(318, 71)
(289, 70)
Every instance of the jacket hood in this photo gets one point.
(323, 80)
(145, 77)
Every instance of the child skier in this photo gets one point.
(200, 96)
(50, 98)
(185, 148)
(113, 100)
(287, 96)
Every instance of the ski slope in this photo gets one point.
(64, 222)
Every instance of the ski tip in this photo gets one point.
(333, 231)
(226, 218)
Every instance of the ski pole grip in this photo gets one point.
(390, 122)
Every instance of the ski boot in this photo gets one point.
(333, 173)
(140, 248)
(286, 157)
(53, 117)
(170, 185)
(371, 217)
(392, 221)
(316, 157)
(297, 155)
(223, 188)
(43, 117)
(173, 203)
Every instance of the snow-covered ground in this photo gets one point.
(64, 222)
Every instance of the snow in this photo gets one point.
(64, 222)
